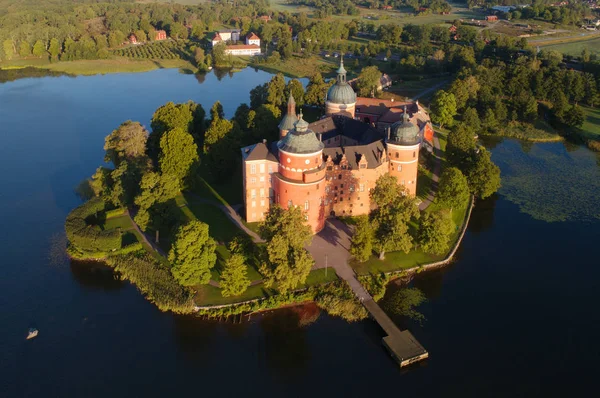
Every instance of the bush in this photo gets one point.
(87, 237)
(154, 281)
(338, 300)
(115, 212)
(375, 284)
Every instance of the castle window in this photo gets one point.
(252, 169)
(270, 180)
(415, 154)
(262, 192)
(336, 187)
(262, 178)
(327, 189)
(253, 180)
(399, 167)
(341, 199)
(290, 204)
(342, 192)
(363, 166)
(403, 182)
(262, 203)
(351, 188)
(344, 167)
(270, 169)
(318, 186)
(340, 177)
(262, 167)
(306, 217)
(253, 193)
(397, 155)
(362, 187)
(329, 168)
(316, 160)
(253, 203)
(361, 205)
(342, 186)
(306, 205)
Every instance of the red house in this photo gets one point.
(160, 35)
(491, 18)
(132, 39)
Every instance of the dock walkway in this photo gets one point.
(331, 248)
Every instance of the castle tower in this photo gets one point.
(341, 98)
(403, 144)
(300, 180)
(289, 119)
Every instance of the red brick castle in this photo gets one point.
(328, 167)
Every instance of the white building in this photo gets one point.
(252, 46)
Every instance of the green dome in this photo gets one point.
(301, 139)
(404, 132)
(288, 122)
(341, 93)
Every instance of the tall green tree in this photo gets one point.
(24, 49)
(7, 47)
(216, 131)
(316, 90)
(178, 153)
(128, 142)
(39, 50)
(395, 209)
(368, 81)
(362, 240)
(54, 49)
(483, 175)
(460, 146)
(192, 255)
(156, 189)
(435, 230)
(286, 263)
(453, 188)
(276, 90)
(234, 278)
(295, 88)
(443, 108)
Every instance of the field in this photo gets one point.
(591, 126)
(169, 49)
(575, 47)
(99, 66)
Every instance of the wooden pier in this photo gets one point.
(402, 345)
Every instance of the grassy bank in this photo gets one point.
(540, 131)
(99, 66)
(298, 66)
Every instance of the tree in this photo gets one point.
(128, 142)
(404, 301)
(395, 209)
(39, 50)
(316, 90)
(115, 38)
(483, 175)
(461, 144)
(234, 278)
(54, 49)
(192, 255)
(218, 55)
(575, 117)
(276, 90)
(178, 153)
(286, 262)
(453, 188)
(443, 108)
(295, 88)
(368, 81)
(199, 57)
(362, 240)
(25, 49)
(155, 189)
(258, 95)
(471, 119)
(216, 112)
(215, 132)
(435, 230)
(7, 46)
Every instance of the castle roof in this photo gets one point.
(334, 125)
(301, 139)
(217, 37)
(404, 132)
(290, 118)
(372, 153)
(258, 151)
(341, 92)
(252, 36)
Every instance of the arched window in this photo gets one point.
(414, 154)
(306, 205)
(290, 204)
(397, 155)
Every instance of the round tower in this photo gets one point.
(341, 98)
(403, 143)
(289, 119)
(301, 178)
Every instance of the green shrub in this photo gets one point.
(115, 212)
(154, 281)
(375, 284)
(90, 238)
(338, 300)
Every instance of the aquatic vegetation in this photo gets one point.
(551, 181)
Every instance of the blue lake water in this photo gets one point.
(514, 315)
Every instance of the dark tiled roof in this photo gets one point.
(332, 126)
(258, 151)
(372, 153)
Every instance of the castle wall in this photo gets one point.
(293, 165)
(258, 188)
(404, 165)
(308, 196)
(332, 109)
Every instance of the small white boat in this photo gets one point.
(33, 332)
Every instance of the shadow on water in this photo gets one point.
(9, 75)
(482, 217)
(96, 275)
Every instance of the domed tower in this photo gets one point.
(403, 144)
(301, 178)
(341, 98)
(288, 121)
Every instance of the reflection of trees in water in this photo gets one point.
(57, 254)
(201, 77)
(95, 275)
(482, 217)
(194, 336)
(286, 348)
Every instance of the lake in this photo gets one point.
(514, 315)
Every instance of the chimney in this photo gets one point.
(264, 141)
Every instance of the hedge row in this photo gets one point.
(90, 238)
(160, 50)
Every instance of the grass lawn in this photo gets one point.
(99, 66)
(411, 88)
(425, 180)
(591, 126)
(540, 131)
(222, 255)
(300, 66)
(123, 222)
(399, 260)
(228, 192)
(220, 227)
(574, 45)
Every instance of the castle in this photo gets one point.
(252, 46)
(328, 167)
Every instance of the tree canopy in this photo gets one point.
(192, 255)
(178, 153)
(234, 278)
(453, 188)
(435, 230)
(368, 81)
